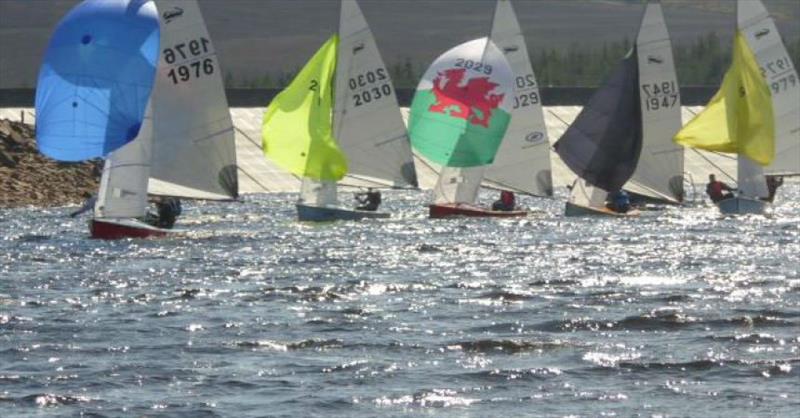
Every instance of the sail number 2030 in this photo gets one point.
(369, 86)
(662, 95)
(192, 50)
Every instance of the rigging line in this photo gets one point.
(266, 189)
(558, 117)
(713, 152)
(714, 165)
(247, 137)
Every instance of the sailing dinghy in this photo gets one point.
(605, 142)
(756, 112)
(459, 116)
(169, 135)
(355, 129)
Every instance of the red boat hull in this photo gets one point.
(453, 210)
(121, 229)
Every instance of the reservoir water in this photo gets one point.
(682, 312)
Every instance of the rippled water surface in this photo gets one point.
(681, 312)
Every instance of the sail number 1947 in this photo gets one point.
(662, 95)
(189, 51)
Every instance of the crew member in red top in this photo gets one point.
(506, 203)
(715, 189)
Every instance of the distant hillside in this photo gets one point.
(261, 41)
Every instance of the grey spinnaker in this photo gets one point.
(603, 145)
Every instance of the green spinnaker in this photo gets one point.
(297, 133)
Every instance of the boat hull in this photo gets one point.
(125, 228)
(742, 206)
(572, 209)
(455, 210)
(307, 213)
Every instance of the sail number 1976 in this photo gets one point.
(192, 50)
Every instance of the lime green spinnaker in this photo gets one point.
(297, 132)
(740, 118)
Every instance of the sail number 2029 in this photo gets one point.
(662, 95)
(192, 50)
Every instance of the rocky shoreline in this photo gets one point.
(28, 178)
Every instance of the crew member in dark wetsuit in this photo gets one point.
(370, 200)
(619, 201)
(715, 189)
(167, 211)
(506, 203)
(773, 182)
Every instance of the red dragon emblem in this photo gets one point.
(471, 102)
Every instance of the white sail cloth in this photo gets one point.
(194, 150)
(659, 172)
(522, 163)
(764, 40)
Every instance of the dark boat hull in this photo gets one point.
(307, 213)
(125, 228)
(572, 209)
(456, 210)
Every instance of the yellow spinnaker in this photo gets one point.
(739, 119)
(297, 132)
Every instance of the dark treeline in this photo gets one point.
(700, 63)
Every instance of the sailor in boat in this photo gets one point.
(369, 200)
(773, 182)
(716, 189)
(619, 201)
(87, 206)
(167, 211)
(506, 203)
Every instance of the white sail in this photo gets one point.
(123, 186)
(586, 195)
(522, 163)
(367, 123)
(659, 173)
(458, 185)
(764, 40)
(318, 193)
(194, 152)
(750, 178)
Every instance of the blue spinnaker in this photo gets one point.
(96, 78)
